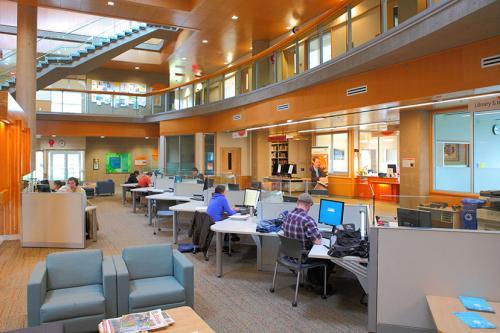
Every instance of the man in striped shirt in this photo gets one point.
(299, 225)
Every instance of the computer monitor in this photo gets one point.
(414, 218)
(251, 198)
(331, 212)
(391, 166)
(291, 169)
(279, 168)
(43, 188)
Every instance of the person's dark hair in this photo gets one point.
(74, 179)
(136, 172)
(315, 158)
(220, 189)
(195, 169)
(58, 183)
(149, 173)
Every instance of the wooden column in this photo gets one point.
(26, 68)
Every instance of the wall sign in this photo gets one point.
(485, 104)
(408, 162)
(237, 117)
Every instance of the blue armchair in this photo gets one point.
(105, 187)
(151, 277)
(76, 288)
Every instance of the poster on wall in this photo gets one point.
(320, 157)
(338, 155)
(119, 101)
(140, 161)
(118, 162)
(456, 154)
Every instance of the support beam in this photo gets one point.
(26, 68)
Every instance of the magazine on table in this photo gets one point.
(136, 322)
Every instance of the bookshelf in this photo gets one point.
(279, 153)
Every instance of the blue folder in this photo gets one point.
(476, 304)
(474, 320)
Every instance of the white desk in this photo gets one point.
(125, 189)
(234, 226)
(355, 265)
(142, 190)
(169, 196)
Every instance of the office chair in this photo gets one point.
(161, 209)
(233, 187)
(291, 255)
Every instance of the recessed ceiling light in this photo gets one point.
(288, 27)
(53, 135)
(137, 67)
(183, 58)
(102, 136)
(234, 17)
(225, 63)
(204, 41)
(111, 3)
(251, 48)
(147, 137)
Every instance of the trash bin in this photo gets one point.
(469, 213)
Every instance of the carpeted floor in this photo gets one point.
(238, 302)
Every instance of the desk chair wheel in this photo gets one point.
(323, 296)
(271, 290)
(294, 304)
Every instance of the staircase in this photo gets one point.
(52, 67)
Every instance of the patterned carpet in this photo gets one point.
(238, 302)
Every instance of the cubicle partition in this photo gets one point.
(188, 189)
(53, 220)
(406, 264)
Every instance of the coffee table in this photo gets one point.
(186, 320)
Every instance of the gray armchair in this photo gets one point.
(76, 288)
(105, 187)
(151, 277)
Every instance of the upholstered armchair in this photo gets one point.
(151, 277)
(75, 288)
(106, 187)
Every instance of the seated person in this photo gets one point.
(145, 180)
(73, 186)
(218, 206)
(317, 171)
(198, 176)
(298, 225)
(57, 185)
(132, 179)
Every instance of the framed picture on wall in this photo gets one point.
(95, 164)
(456, 154)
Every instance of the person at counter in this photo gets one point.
(145, 180)
(57, 185)
(316, 171)
(198, 176)
(73, 186)
(132, 179)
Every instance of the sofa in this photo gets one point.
(77, 289)
(106, 187)
(151, 277)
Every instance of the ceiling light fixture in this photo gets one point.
(111, 3)
(147, 137)
(288, 27)
(204, 41)
(183, 58)
(137, 67)
(234, 17)
(341, 127)
(287, 123)
(102, 136)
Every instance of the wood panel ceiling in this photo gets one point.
(209, 20)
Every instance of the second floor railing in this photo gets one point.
(323, 40)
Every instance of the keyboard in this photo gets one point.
(240, 216)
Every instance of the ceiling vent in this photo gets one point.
(357, 90)
(490, 61)
(283, 107)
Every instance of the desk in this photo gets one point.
(243, 227)
(125, 188)
(91, 222)
(287, 184)
(142, 190)
(384, 188)
(168, 196)
(442, 309)
(355, 265)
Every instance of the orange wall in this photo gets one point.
(448, 71)
(83, 128)
(14, 162)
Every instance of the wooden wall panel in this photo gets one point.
(452, 70)
(14, 162)
(83, 128)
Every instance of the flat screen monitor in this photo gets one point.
(291, 169)
(393, 167)
(251, 198)
(414, 218)
(278, 169)
(331, 212)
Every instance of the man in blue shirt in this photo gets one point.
(218, 205)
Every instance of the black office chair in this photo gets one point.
(233, 187)
(291, 255)
(289, 199)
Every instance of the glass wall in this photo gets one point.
(314, 52)
(265, 71)
(186, 97)
(215, 89)
(245, 80)
(451, 152)
(365, 22)
(230, 85)
(338, 146)
(326, 46)
(209, 152)
(39, 164)
(179, 154)
(200, 91)
(486, 150)
(377, 151)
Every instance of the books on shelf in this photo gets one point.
(136, 322)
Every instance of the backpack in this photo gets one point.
(349, 243)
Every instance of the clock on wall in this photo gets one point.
(61, 143)
(496, 129)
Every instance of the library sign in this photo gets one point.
(485, 104)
